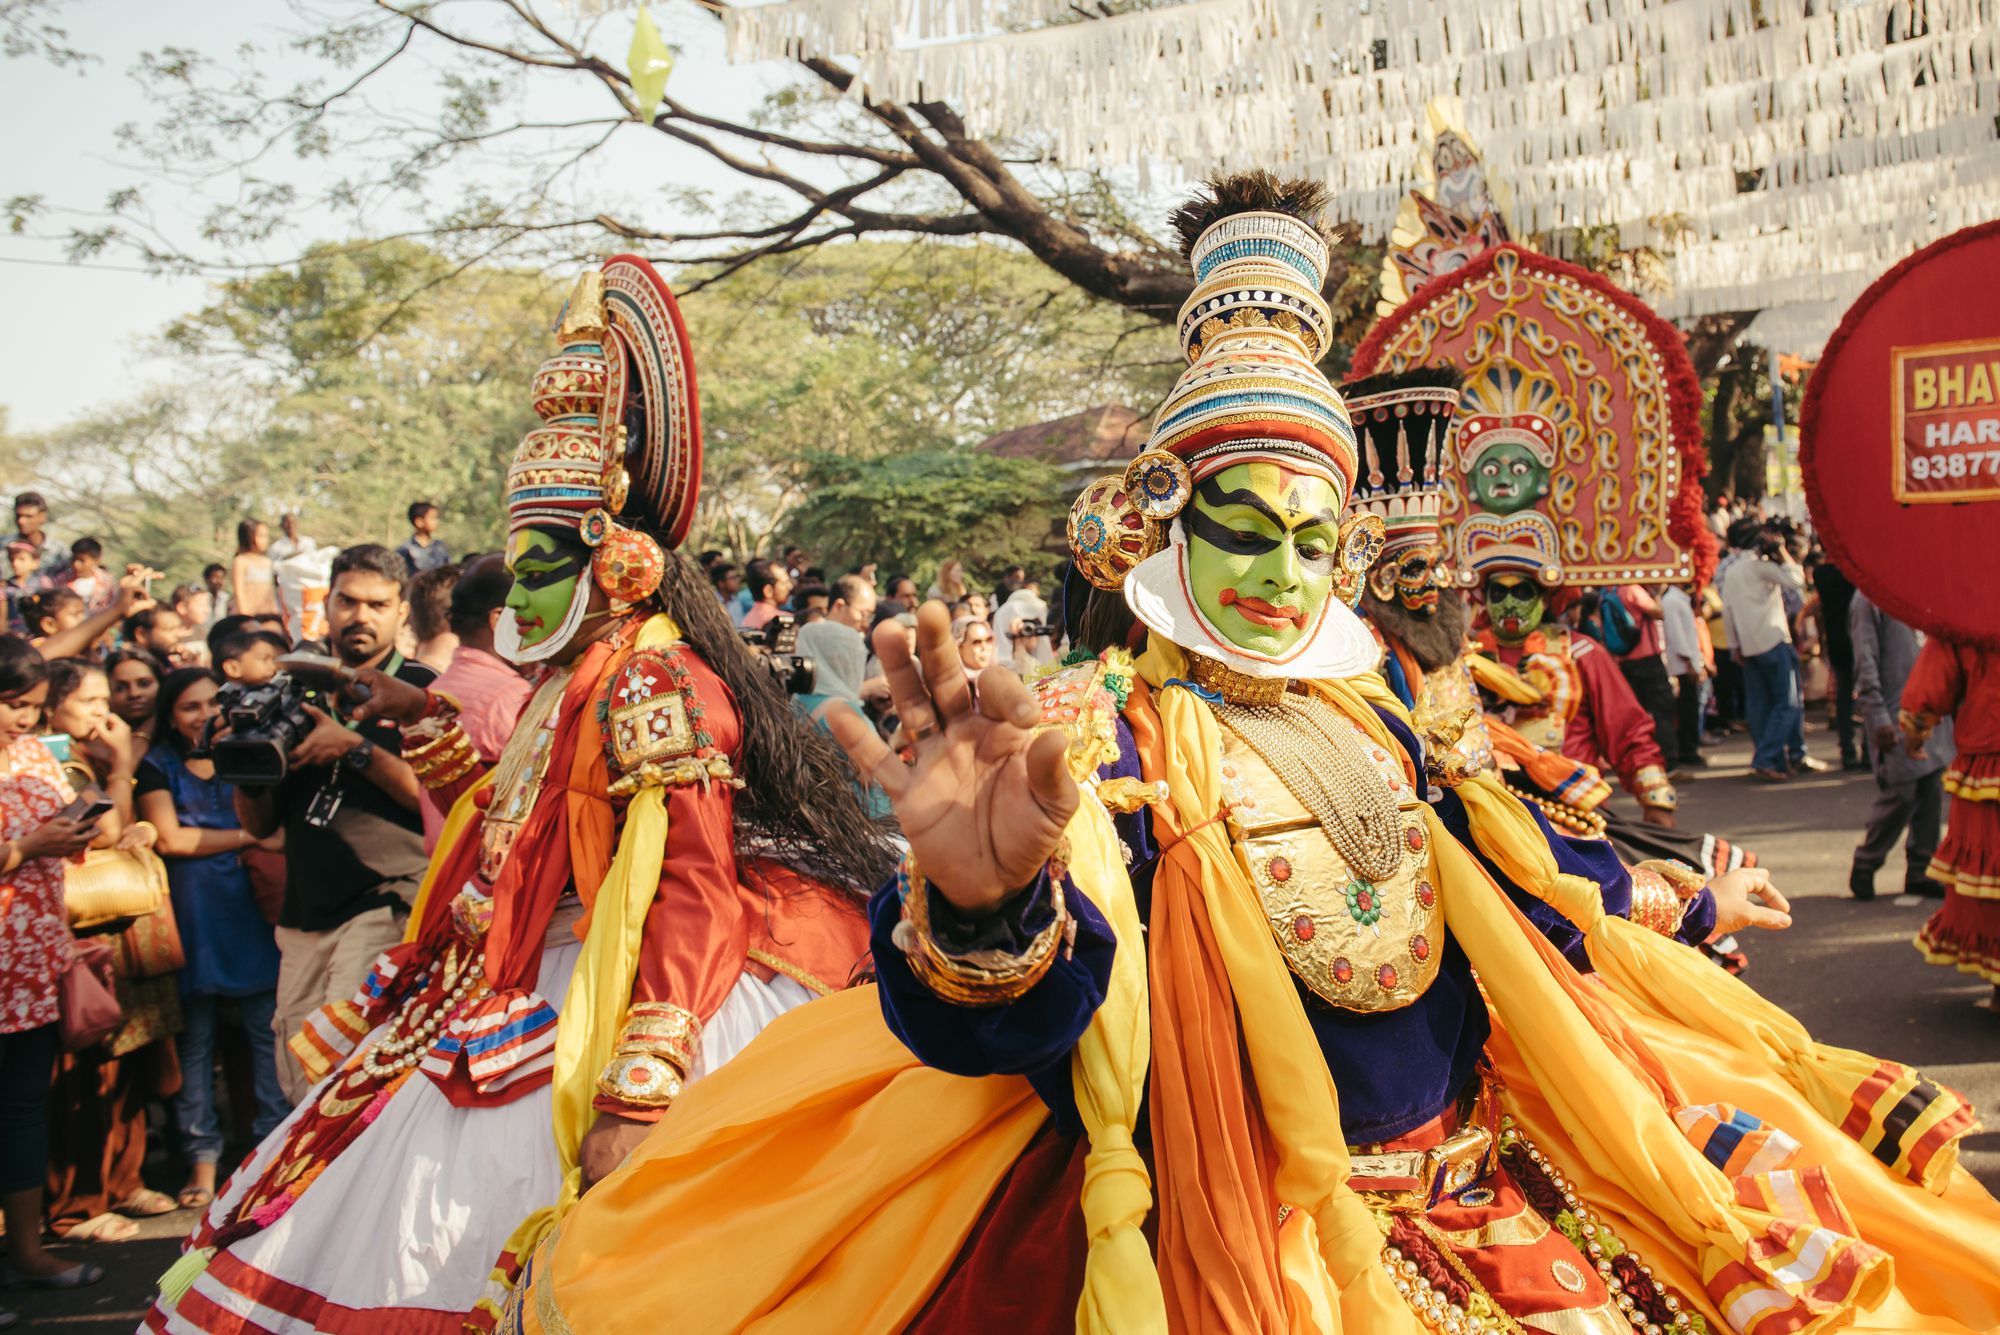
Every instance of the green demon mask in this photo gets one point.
(1508, 477)
(547, 568)
(1514, 607)
(1261, 553)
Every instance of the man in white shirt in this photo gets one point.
(1760, 638)
(290, 542)
(1681, 646)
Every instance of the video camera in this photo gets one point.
(1033, 630)
(777, 643)
(261, 725)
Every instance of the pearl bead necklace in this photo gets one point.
(415, 1028)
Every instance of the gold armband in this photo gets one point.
(436, 748)
(655, 1052)
(983, 978)
(1682, 879)
(1654, 789)
(1655, 905)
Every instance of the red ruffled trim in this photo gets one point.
(1969, 856)
(1965, 935)
(1685, 522)
(1887, 597)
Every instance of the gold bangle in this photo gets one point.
(1655, 906)
(984, 978)
(655, 1052)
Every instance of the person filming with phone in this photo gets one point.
(39, 828)
(345, 799)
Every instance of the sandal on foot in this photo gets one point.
(196, 1198)
(146, 1203)
(104, 1228)
(81, 1274)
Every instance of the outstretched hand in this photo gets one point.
(1746, 898)
(986, 799)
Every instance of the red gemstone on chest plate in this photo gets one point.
(1281, 870)
(1302, 927)
(1414, 837)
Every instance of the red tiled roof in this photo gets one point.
(1109, 433)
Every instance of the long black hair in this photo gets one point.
(22, 667)
(800, 803)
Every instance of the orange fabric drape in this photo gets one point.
(1218, 1252)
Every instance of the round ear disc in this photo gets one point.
(1159, 484)
(1107, 534)
(1360, 542)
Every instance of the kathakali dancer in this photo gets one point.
(1410, 599)
(1195, 921)
(1573, 462)
(661, 862)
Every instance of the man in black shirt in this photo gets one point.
(354, 844)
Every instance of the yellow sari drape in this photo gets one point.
(825, 1174)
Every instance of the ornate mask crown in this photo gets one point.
(1405, 421)
(620, 437)
(1252, 331)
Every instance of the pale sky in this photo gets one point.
(72, 337)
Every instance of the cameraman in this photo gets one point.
(1760, 639)
(354, 844)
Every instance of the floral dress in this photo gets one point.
(35, 943)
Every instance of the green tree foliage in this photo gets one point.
(877, 351)
(370, 375)
(909, 511)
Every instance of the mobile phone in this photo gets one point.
(60, 746)
(90, 806)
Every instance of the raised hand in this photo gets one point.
(985, 803)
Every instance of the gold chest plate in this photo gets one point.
(1449, 707)
(1358, 945)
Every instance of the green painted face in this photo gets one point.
(545, 568)
(1508, 477)
(1514, 607)
(1261, 553)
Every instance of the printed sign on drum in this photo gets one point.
(1946, 422)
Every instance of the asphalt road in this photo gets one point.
(1845, 968)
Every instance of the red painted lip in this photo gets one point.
(1510, 624)
(1261, 613)
(526, 624)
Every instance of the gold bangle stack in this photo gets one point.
(983, 978)
(1655, 906)
(1655, 789)
(437, 749)
(655, 1052)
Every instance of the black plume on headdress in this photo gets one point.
(1417, 377)
(1257, 191)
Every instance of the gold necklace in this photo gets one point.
(1313, 752)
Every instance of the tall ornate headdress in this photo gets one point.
(1253, 331)
(619, 439)
(1596, 389)
(1405, 423)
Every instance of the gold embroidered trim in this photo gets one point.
(794, 972)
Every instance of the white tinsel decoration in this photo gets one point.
(1783, 152)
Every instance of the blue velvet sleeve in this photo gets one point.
(1033, 1035)
(1593, 859)
(1030, 1036)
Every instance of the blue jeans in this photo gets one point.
(1776, 710)
(194, 1106)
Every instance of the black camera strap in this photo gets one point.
(325, 804)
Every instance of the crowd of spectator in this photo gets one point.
(234, 912)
